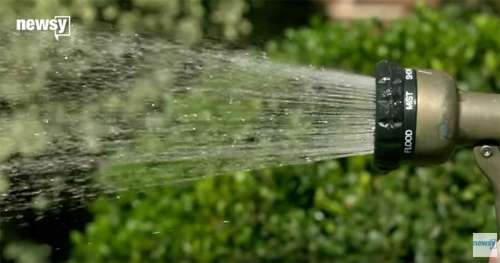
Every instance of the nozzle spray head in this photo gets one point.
(421, 116)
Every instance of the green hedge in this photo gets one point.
(331, 211)
(468, 49)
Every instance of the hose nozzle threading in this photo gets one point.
(421, 116)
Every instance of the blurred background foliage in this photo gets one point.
(462, 44)
(338, 210)
(183, 20)
(187, 20)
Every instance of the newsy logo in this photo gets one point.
(484, 244)
(61, 25)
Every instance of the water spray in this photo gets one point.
(106, 118)
(421, 117)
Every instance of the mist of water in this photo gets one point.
(100, 113)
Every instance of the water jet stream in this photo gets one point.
(81, 116)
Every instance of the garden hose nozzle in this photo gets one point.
(421, 116)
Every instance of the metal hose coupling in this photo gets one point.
(421, 116)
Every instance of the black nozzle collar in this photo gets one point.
(396, 115)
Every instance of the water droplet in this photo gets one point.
(383, 80)
(319, 216)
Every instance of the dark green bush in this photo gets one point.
(331, 211)
(468, 50)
